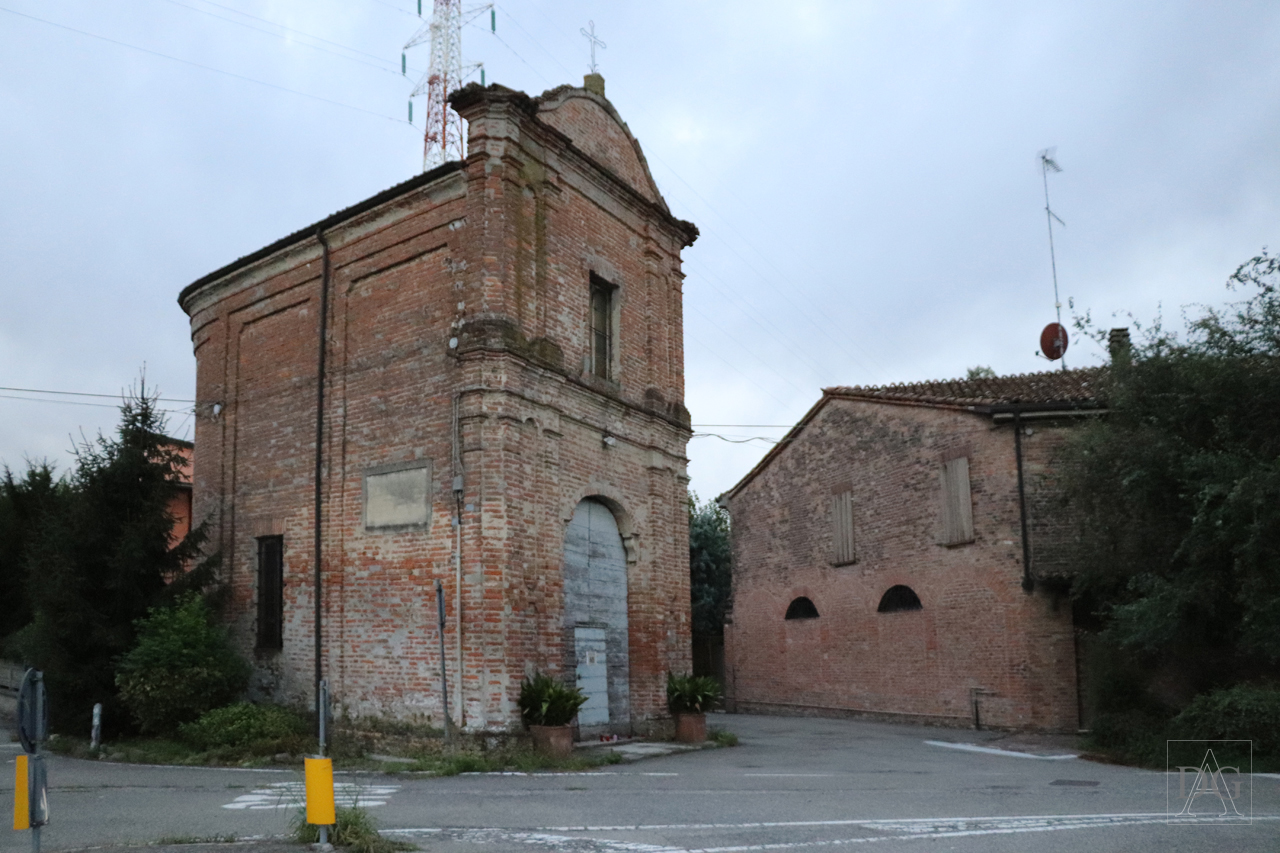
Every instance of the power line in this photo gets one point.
(83, 403)
(385, 65)
(742, 426)
(734, 440)
(87, 394)
(200, 65)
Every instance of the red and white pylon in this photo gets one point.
(444, 138)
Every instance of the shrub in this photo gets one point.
(244, 725)
(691, 694)
(181, 666)
(546, 702)
(724, 738)
(1132, 737)
(354, 829)
(1243, 712)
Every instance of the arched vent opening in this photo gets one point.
(802, 608)
(898, 598)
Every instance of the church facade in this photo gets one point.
(473, 380)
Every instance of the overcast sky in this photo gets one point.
(864, 176)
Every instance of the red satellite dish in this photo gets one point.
(1053, 341)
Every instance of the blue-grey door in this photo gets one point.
(595, 596)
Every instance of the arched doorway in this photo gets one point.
(595, 617)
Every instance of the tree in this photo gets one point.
(1178, 490)
(23, 504)
(710, 565)
(96, 565)
(182, 666)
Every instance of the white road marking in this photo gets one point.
(988, 750)
(289, 795)
(887, 830)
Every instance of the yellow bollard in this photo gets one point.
(21, 805)
(320, 811)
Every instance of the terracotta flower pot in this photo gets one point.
(553, 740)
(691, 728)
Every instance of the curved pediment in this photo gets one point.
(595, 128)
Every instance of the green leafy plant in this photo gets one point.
(1243, 712)
(243, 725)
(354, 830)
(724, 738)
(544, 701)
(691, 694)
(181, 666)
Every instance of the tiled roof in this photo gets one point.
(1083, 387)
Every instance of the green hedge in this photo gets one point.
(244, 725)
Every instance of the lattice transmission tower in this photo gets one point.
(445, 137)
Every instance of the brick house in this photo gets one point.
(180, 504)
(502, 347)
(895, 556)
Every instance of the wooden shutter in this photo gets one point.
(957, 505)
(842, 542)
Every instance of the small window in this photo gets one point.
(602, 336)
(842, 544)
(271, 593)
(801, 608)
(898, 598)
(957, 506)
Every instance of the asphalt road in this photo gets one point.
(792, 784)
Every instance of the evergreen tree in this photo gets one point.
(96, 565)
(23, 504)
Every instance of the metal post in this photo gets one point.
(38, 785)
(324, 715)
(95, 734)
(444, 681)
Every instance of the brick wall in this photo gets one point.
(977, 628)
(467, 286)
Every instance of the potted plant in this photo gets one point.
(548, 707)
(688, 698)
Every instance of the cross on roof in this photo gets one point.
(589, 32)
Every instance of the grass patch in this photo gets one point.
(515, 757)
(720, 737)
(354, 830)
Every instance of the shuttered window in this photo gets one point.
(843, 551)
(957, 506)
(271, 593)
(602, 337)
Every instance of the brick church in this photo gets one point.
(476, 378)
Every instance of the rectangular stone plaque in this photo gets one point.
(398, 498)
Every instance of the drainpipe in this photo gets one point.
(319, 490)
(1027, 583)
(458, 495)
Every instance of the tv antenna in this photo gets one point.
(444, 137)
(1047, 165)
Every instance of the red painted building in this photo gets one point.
(895, 556)
(503, 346)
